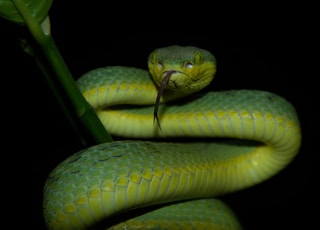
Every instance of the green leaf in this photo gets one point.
(38, 8)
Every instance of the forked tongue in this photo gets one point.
(160, 93)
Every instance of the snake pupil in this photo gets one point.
(160, 93)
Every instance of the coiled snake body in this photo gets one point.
(249, 136)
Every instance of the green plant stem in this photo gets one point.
(28, 49)
(85, 112)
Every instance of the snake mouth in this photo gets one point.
(161, 88)
(167, 75)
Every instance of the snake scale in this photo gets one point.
(206, 144)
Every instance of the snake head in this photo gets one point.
(181, 69)
(191, 68)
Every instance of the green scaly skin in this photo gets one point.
(98, 184)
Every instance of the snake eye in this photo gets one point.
(188, 65)
(159, 65)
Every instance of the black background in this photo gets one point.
(258, 51)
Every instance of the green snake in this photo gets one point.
(206, 144)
